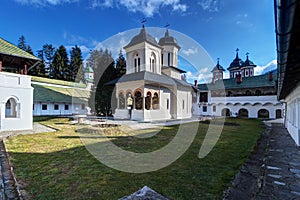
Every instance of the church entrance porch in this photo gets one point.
(151, 102)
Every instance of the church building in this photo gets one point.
(152, 88)
(241, 95)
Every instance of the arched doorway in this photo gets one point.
(148, 101)
(263, 113)
(278, 113)
(138, 100)
(226, 112)
(243, 113)
(155, 101)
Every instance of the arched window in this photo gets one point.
(248, 93)
(257, 92)
(153, 63)
(121, 101)
(148, 101)
(138, 100)
(263, 113)
(155, 101)
(11, 108)
(137, 63)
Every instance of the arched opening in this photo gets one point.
(121, 101)
(129, 100)
(226, 112)
(138, 100)
(243, 113)
(278, 113)
(148, 101)
(153, 63)
(137, 62)
(248, 93)
(263, 113)
(155, 101)
(11, 108)
(257, 92)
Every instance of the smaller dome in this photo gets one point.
(236, 63)
(248, 62)
(143, 36)
(168, 40)
(218, 67)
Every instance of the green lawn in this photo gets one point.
(57, 165)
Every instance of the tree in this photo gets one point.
(22, 45)
(48, 55)
(40, 69)
(76, 64)
(120, 65)
(104, 71)
(59, 65)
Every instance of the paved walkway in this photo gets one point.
(137, 125)
(272, 171)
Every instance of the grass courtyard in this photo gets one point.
(57, 165)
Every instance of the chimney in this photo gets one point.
(196, 83)
(271, 76)
(239, 78)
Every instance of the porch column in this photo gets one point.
(25, 70)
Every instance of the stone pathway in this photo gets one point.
(36, 128)
(136, 125)
(272, 171)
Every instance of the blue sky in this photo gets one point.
(219, 26)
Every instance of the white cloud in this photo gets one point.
(190, 51)
(202, 76)
(150, 7)
(265, 68)
(101, 3)
(210, 5)
(45, 2)
(147, 7)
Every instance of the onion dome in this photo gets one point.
(143, 36)
(237, 62)
(168, 40)
(218, 67)
(248, 62)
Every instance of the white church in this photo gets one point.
(152, 88)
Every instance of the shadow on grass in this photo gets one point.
(73, 173)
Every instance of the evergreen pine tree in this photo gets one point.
(59, 64)
(48, 54)
(120, 65)
(104, 71)
(76, 65)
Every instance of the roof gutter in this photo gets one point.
(284, 15)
